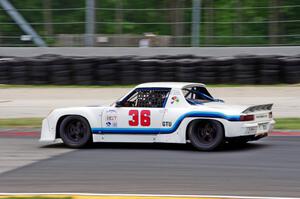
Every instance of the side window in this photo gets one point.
(197, 95)
(147, 97)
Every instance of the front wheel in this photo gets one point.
(75, 131)
(206, 135)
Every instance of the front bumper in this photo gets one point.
(46, 135)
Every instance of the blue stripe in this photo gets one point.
(172, 129)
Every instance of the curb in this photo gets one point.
(126, 196)
(285, 133)
(107, 196)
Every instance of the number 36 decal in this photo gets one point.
(144, 118)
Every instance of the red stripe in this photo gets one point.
(19, 134)
(282, 133)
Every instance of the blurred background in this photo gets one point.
(137, 41)
(59, 53)
(161, 23)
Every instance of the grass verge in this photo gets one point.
(288, 123)
(281, 123)
(21, 123)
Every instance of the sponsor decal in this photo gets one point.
(261, 116)
(111, 118)
(166, 124)
(174, 99)
(111, 111)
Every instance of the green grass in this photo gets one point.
(287, 123)
(21, 123)
(7, 86)
(281, 123)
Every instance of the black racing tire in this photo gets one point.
(206, 135)
(75, 131)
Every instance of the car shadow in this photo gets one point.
(163, 146)
(242, 147)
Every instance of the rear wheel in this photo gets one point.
(206, 135)
(75, 131)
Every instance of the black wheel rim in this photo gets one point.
(207, 134)
(75, 130)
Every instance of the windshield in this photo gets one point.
(197, 95)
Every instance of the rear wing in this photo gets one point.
(263, 107)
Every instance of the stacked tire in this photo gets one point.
(82, 70)
(38, 69)
(148, 70)
(60, 71)
(106, 71)
(291, 70)
(186, 70)
(225, 70)
(269, 70)
(5, 65)
(207, 73)
(167, 70)
(18, 71)
(246, 69)
(128, 73)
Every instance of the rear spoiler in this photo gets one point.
(263, 107)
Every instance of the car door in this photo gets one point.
(137, 118)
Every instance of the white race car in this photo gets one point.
(161, 112)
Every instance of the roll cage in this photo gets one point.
(146, 97)
(197, 95)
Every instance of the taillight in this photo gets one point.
(246, 117)
(271, 115)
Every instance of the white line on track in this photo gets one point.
(152, 195)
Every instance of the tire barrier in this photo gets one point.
(4, 71)
(124, 70)
(290, 71)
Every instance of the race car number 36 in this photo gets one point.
(143, 118)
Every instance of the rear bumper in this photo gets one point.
(258, 128)
(247, 137)
(250, 129)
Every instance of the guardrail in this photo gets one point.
(68, 70)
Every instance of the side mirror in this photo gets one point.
(119, 104)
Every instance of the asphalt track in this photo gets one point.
(269, 167)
